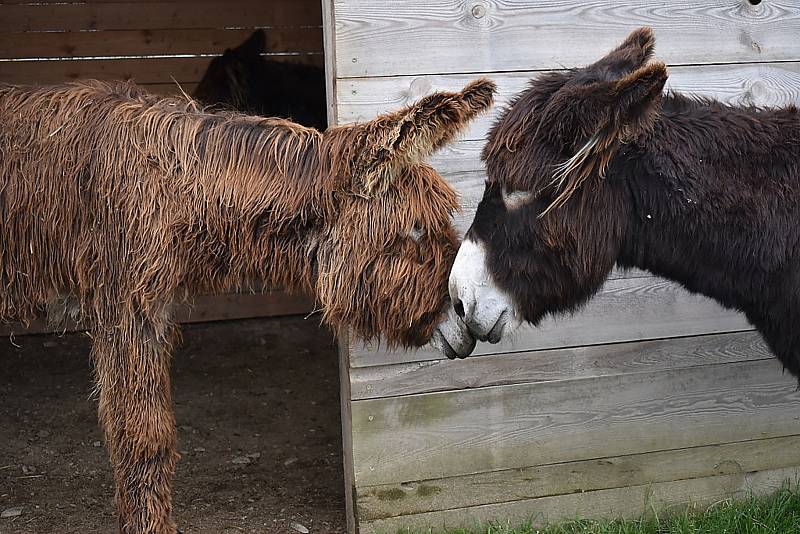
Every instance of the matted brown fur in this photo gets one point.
(117, 204)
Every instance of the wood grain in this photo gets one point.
(152, 42)
(157, 15)
(437, 435)
(635, 309)
(629, 502)
(452, 36)
(561, 364)
(347, 434)
(767, 84)
(204, 308)
(329, 41)
(142, 70)
(391, 500)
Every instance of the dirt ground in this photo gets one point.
(257, 404)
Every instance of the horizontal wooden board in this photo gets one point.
(625, 310)
(157, 15)
(205, 308)
(561, 364)
(185, 2)
(437, 435)
(170, 89)
(422, 37)
(141, 70)
(768, 84)
(629, 502)
(391, 500)
(152, 42)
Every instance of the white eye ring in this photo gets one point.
(416, 233)
(515, 199)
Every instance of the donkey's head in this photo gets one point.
(548, 229)
(237, 77)
(383, 263)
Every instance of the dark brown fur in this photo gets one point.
(120, 204)
(690, 189)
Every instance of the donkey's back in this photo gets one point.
(74, 188)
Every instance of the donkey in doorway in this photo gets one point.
(241, 79)
(118, 204)
(595, 167)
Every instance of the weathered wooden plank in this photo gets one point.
(141, 70)
(329, 40)
(152, 42)
(625, 310)
(391, 500)
(347, 434)
(170, 89)
(561, 364)
(185, 2)
(630, 502)
(508, 35)
(205, 308)
(438, 435)
(767, 84)
(156, 16)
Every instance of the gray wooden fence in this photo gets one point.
(649, 398)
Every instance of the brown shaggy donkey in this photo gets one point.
(117, 204)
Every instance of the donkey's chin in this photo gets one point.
(452, 337)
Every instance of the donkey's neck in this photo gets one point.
(712, 190)
(265, 196)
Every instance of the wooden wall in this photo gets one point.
(651, 396)
(150, 41)
(159, 44)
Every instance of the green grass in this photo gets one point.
(778, 514)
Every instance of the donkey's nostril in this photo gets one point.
(459, 307)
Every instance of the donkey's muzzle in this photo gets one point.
(452, 337)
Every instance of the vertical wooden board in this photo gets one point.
(329, 40)
(347, 435)
(453, 433)
(451, 36)
(409, 498)
(630, 502)
(624, 310)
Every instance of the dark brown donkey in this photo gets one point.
(118, 204)
(242, 79)
(595, 167)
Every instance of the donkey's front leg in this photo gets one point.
(132, 364)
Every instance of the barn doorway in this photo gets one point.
(256, 379)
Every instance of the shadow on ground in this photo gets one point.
(257, 404)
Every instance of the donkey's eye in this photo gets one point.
(416, 233)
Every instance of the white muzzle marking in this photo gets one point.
(487, 310)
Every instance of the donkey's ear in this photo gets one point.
(637, 99)
(410, 135)
(255, 45)
(635, 51)
(600, 116)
